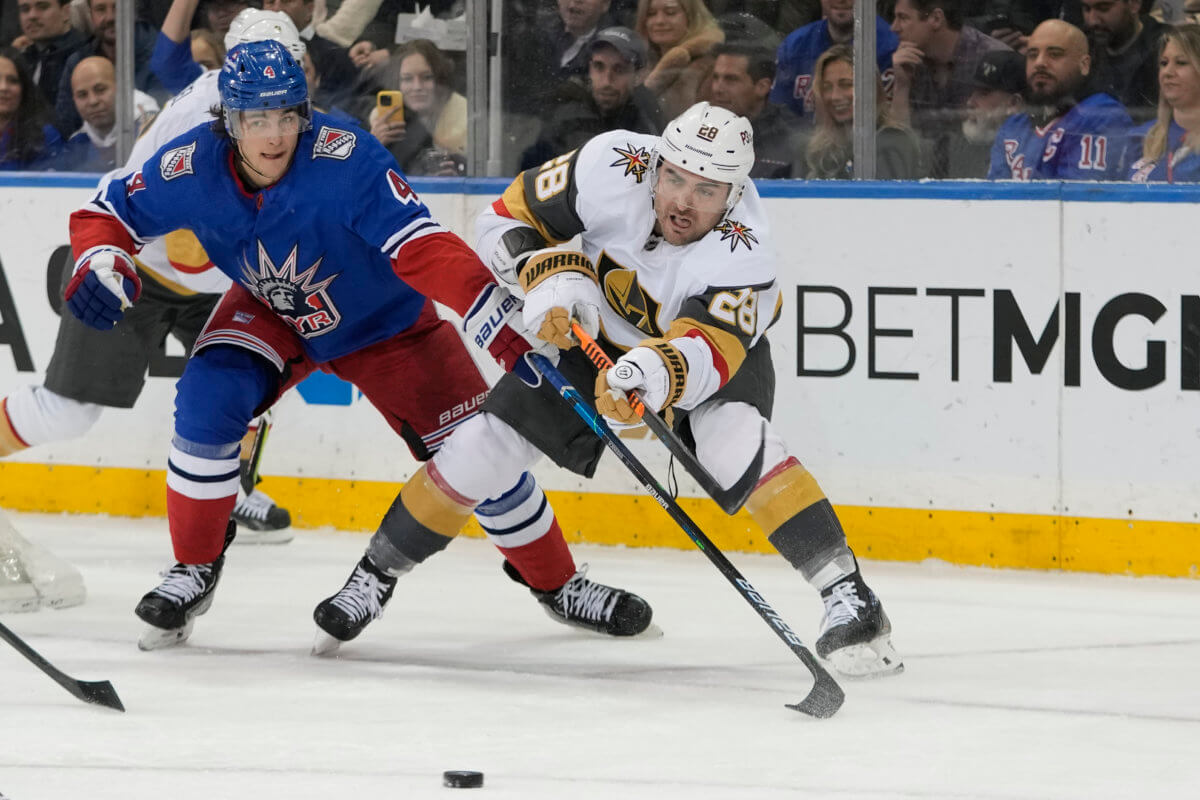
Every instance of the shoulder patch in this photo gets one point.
(177, 162)
(634, 160)
(736, 233)
(334, 143)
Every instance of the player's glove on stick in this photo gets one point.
(490, 323)
(105, 283)
(656, 370)
(560, 285)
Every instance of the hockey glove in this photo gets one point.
(657, 371)
(560, 286)
(104, 285)
(490, 324)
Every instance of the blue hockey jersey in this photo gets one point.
(341, 248)
(1084, 144)
(798, 54)
(1177, 165)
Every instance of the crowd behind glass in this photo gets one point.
(1002, 89)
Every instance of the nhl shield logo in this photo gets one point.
(295, 297)
(177, 162)
(334, 143)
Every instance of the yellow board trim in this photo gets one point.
(1033, 541)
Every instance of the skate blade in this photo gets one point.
(158, 638)
(324, 644)
(874, 659)
(250, 536)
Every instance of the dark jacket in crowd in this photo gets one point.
(47, 60)
(144, 36)
(1131, 76)
(778, 144)
(575, 121)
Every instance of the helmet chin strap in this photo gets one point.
(243, 165)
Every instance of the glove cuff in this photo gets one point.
(540, 266)
(677, 368)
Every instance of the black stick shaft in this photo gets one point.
(98, 692)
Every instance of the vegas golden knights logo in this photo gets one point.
(626, 296)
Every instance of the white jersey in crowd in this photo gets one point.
(721, 287)
(177, 258)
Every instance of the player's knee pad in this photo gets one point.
(39, 416)
(221, 388)
(484, 458)
(727, 437)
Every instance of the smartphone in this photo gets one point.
(390, 103)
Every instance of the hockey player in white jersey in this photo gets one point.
(675, 269)
(90, 371)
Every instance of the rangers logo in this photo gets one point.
(177, 162)
(294, 297)
(635, 160)
(334, 143)
(736, 233)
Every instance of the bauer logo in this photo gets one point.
(334, 143)
(177, 162)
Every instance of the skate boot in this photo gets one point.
(185, 593)
(856, 635)
(590, 605)
(261, 520)
(344, 615)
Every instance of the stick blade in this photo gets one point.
(823, 700)
(100, 693)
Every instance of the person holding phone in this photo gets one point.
(424, 123)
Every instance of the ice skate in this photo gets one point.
(185, 593)
(593, 606)
(261, 520)
(344, 615)
(856, 635)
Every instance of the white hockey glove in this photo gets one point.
(494, 324)
(656, 370)
(560, 285)
(105, 283)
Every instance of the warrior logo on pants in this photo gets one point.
(303, 304)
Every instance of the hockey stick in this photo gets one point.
(731, 499)
(825, 697)
(250, 477)
(101, 693)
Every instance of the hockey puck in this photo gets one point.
(462, 779)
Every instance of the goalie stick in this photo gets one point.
(825, 697)
(101, 693)
(731, 499)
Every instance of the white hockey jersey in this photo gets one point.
(177, 258)
(720, 289)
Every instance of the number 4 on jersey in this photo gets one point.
(400, 189)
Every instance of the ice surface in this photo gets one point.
(1018, 685)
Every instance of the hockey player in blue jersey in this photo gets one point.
(335, 263)
(798, 54)
(1061, 137)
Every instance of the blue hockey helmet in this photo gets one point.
(259, 76)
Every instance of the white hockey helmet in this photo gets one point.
(710, 141)
(256, 25)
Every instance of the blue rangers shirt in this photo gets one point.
(798, 55)
(340, 248)
(1178, 163)
(1084, 144)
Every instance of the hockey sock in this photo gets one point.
(788, 504)
(424, 518)
(521, 524)
(10, 442)
(202, 483)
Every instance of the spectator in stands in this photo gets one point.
(798, 54)
(830, 153)
(1124, 50)
(431, 139)
(615, 99)
(935, 66)
(219, 13)
(998, 93)
(1190, 13)
(207, 48)
(338, 73)
(1168, 149)
(1061, 136)
(741, 81)
(103, 42)
(28, 140)
(681, 34)
(94, 89)
(47, 40)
